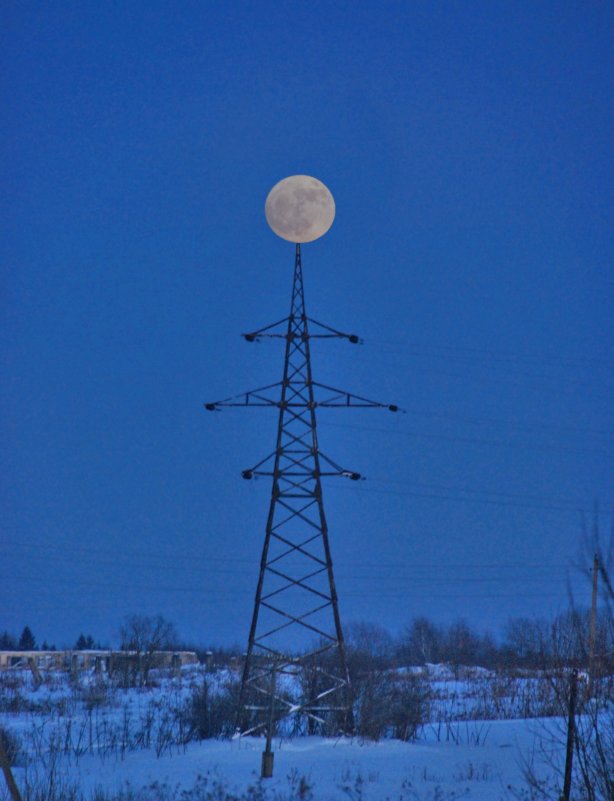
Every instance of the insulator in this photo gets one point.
(393, 408)
(210, 407)
(354, 339)
(247, 474)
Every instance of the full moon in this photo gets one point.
(300, 208)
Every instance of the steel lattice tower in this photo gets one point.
(296, 661)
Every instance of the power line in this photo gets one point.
(570, 504)
(470, 440)
(545, 428)
(458, 499)
(169, 558)
(538, 382)
(600, 363)
(407, 575)
(513, 424)
(216, 597)
(490, 365)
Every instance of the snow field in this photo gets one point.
(103, 738)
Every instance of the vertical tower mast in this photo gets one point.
(296, 587)
(295, 663)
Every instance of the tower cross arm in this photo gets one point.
(266, 331)
(340, 398)
(332, 333)
(322, 331)
(253, 397)
(293, 473)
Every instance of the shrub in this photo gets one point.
(11, 744)
(387, 703)
(212, 713)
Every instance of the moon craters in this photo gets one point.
(300, 208)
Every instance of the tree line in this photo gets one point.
(27, 642)
(524, 642)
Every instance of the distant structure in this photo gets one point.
(103, 661)
(296, 662)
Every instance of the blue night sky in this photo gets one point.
(469, 150)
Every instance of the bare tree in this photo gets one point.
(568, 646)
(369, 644)
(386, 701)
(462, 645)
(421, 642)
(524, 640)
(146, 635)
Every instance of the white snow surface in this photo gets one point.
(473, 759)
(336, 769)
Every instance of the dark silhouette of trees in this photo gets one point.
(27, 641)
(461, 645)
(369, 646)
(421, 642)
(146, 635)
(84, 643)
(523, 643)
(7, 642)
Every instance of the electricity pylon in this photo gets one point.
(296, 662)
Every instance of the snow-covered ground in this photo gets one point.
(107, 738)
(338, 770)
